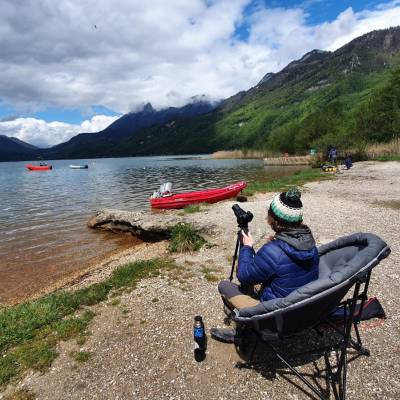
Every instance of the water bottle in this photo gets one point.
(200, 339)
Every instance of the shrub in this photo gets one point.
(184, 237)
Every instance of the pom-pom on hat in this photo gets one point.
(287, 206)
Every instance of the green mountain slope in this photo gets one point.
(312, 102)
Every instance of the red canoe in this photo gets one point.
(202, 196)
(32, 167)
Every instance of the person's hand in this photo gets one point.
(247, 240)
(270, 238)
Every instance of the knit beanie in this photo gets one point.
(287, 207)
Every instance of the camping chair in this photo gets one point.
(344, 274)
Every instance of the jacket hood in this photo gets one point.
(298, 243)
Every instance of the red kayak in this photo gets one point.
(202, 196)
(32, 167)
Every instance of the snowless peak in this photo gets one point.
(313, 54)
(199, 98)
(148, 108)
(266, 78)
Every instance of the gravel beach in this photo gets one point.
(142, 347)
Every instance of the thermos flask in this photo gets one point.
(200, 339)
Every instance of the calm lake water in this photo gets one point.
(43, 215)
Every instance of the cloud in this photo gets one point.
(45, 134)
(74, 54)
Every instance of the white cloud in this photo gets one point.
(44, 134)
(72, 53)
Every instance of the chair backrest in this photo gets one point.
(342, 262)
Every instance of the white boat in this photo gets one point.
(79, 166)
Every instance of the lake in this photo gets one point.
(43, 214)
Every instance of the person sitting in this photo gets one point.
(348, 161)
(287, 261)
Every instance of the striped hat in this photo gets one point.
(287, 207)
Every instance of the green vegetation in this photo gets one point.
(29, 332)
(294, 117)
(192, 208)
(210, 274)
(388, 158)
(348, 98)
(297, 179)
(80, 356)
(184, 237)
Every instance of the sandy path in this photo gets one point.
(142, 348)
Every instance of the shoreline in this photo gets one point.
(298, 177)
(123, 243)
(141, 340)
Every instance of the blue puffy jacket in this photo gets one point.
(279, 266)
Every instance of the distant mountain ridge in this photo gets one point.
(311, 102)
(12, 148)
(101, 144)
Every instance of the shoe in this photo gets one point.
(226, 335)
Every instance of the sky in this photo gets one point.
(71, 66)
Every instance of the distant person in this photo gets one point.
(328, 153)
(333, 155)
(348, 161)
(287, 261)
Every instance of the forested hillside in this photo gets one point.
(347, 98)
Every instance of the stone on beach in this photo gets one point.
(147, 226)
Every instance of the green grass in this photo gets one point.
(185, 238)
(192, 208)
(209, 274)
(388, 158)
(80, 356)
(280, 184)
(29, 332)
(114, 302)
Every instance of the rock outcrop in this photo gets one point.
(149, 227)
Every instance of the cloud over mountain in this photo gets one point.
(73, 54)
(43, 134)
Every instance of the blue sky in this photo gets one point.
(66, 69)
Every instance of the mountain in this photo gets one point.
(323, 98)
(12, 149)
(313, 101)
(101, 144)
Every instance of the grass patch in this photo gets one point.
(185, 238)
(297, 179)
(80, 356)
(114, 302)
(209, 274)
(393, 204)
(388, 158)
(192, 208)
(29, 332)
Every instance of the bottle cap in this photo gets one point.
(198, 318)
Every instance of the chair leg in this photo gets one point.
(248, 364)
(294, 370)
(358, 344)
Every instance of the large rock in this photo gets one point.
(149, 227)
